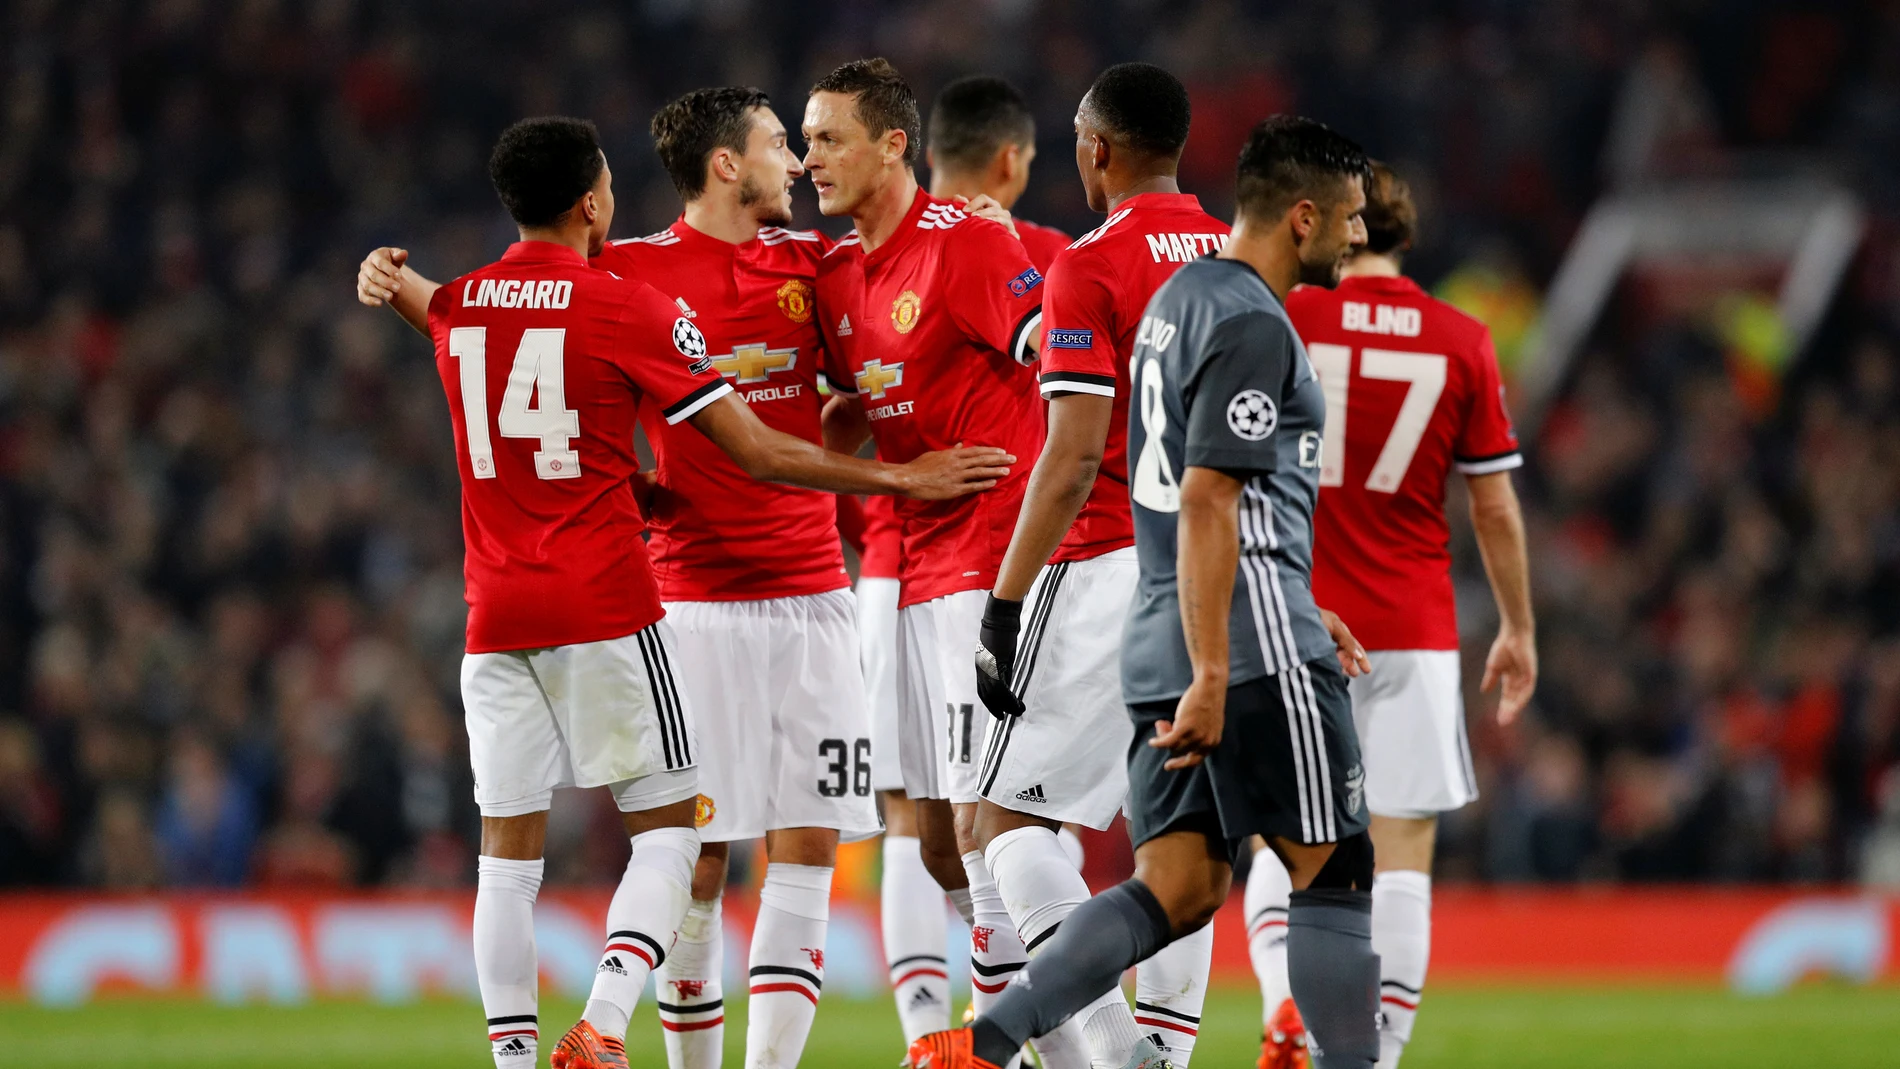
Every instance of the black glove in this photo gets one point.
(996, 657)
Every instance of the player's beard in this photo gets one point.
(1323, 272)
(766, 208)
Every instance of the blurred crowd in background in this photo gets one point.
(230, 584)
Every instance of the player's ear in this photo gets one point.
(895, 142)
(1101, 152)
(930, 157)
(1304, 217)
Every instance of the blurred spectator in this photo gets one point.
(206, 820)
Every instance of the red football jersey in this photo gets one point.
(1042, 243)
(718, 533)
(938, 326)
(1412, 392)
(1097, 291)
(883, 553)
(546, 363)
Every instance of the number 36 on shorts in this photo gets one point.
(848, 768)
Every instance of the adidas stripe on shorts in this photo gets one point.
(1287, 764)
(590, 714)
(1066, 757)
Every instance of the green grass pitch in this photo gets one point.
(1463, 1027)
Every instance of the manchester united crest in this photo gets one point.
(703, 811)
(795, 300)
(904, 311)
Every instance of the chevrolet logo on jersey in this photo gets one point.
(875, 377)
(748, 364)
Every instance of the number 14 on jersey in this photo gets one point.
(539, 375)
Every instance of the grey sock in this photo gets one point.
(1087, 956)
(1335, 975)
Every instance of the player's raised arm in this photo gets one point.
(1498, 522)
(385, 277)
(775, 456)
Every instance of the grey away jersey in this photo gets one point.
(1222, 381)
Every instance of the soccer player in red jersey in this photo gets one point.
(570, 675)
(1060, 750)
(1412, 395)
(981, 142)
(941, 312)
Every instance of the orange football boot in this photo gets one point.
(584, 1048)
(947, 1050)
(1283, 1045)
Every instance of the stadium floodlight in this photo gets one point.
(1807, 229)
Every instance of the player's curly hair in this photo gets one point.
(1143, 106)
(973, 118)
(687, 131)
(885, 101)
(1287, 159)
(540, 167)
(1391, 217)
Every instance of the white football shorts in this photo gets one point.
(877, 650)
(1066, 757)
(1410, 713)
(590, 714)
(784, 729)
(942, 725)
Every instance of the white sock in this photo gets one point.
(915, 932)
(642, 920)
(1110, 1029)
(996, 951)
(1071, 847)
(1268, 886)
(506, 968)
(1170, 990)
(689, 990)
(787, 965)
(960, 899)
(1040, 886)
(1402, 937)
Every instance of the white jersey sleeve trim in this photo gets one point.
(698, 399)
(1057, 383)
(1491, 465)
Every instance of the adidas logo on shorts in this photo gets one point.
(1033, 794)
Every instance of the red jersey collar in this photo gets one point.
(1397, 285)
(1182, 201)
(542, 252)
(706, 243)
(904, 228)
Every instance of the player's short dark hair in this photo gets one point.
(540, 167)
(1391, 218)
(689, 128)
(1288, 159)
(885, 101)
(973, 118)
(1142, 106)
